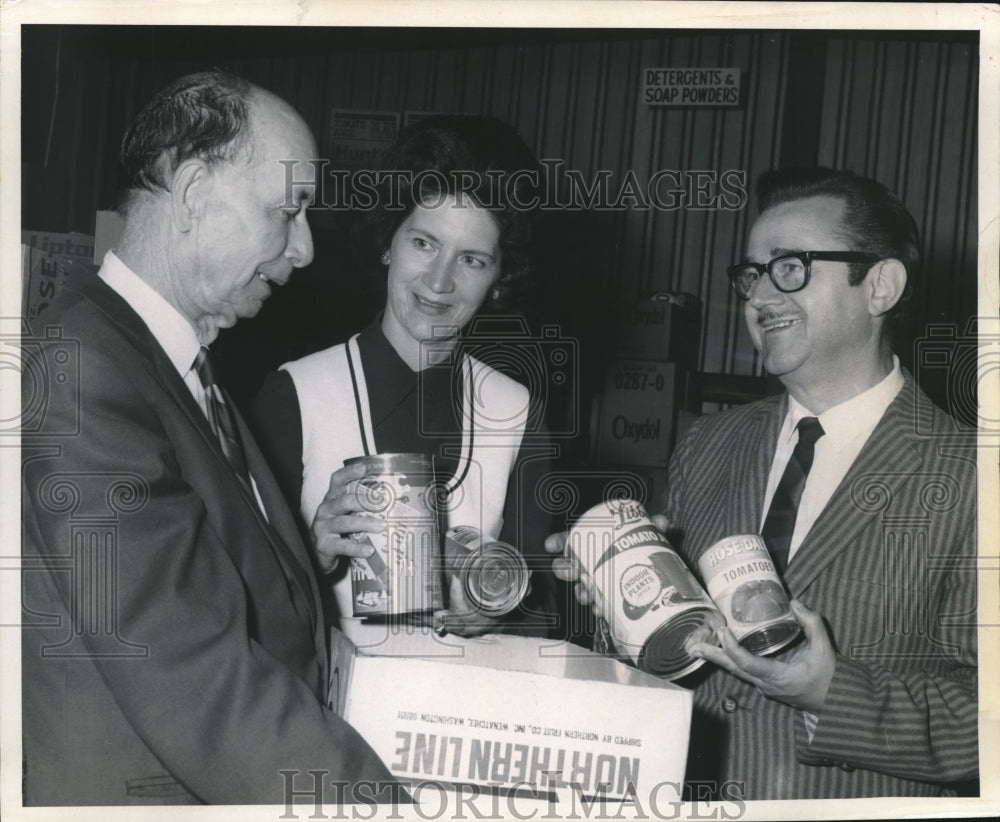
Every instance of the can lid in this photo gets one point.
(665, 654)
(495, 578)
(771, 638)
(394, 463)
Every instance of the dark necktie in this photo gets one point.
(223, 422)
(780, 521)
(221, 418)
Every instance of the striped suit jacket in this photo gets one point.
(890, 565)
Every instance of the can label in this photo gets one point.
(402, 575)
(654, 605)
(493, 574)
(741, 578)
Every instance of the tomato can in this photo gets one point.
(402, 575)
(654, 605)
(741, 578)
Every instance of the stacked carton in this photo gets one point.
(645, 385)
(47, 259)
(512, 714)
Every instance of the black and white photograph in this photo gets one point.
(500, 410)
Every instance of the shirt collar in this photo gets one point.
(852, 417)
(170, 328)
(395, 379)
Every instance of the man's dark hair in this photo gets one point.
(481, 158)
(875, 220)
(203, 115)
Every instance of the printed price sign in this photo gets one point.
(635, 424)
(691, 86)
(360, 138)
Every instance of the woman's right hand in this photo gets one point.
(338, 516)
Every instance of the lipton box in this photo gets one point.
(512, 714)
(635, 415)
(43, 275)
(74, 247)
(662, 326)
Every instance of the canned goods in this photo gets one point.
(493, 574)
(402, 575)
(654, 605)
(744, 583)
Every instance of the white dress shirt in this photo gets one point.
(171, 329)
(846, 428)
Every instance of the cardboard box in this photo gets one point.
(108, 231)
(634, 423)
(47, 259)
(665, 328)
(42, 278)
(509, 713)
(73, 246)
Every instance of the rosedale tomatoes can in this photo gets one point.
(744, 583)
(402, 575)
(654, 605)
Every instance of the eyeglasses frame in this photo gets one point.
(807, 257)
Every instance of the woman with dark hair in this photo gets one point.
(453, 228)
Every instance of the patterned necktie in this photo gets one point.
(220, 417)
(780, 521)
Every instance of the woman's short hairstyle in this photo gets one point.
(465, 156)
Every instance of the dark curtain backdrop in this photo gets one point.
(898, 106)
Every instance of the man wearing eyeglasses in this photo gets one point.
(871, 521)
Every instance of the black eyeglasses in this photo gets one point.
(789, 272)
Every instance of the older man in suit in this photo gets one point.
(174, 651)
(877, 544)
